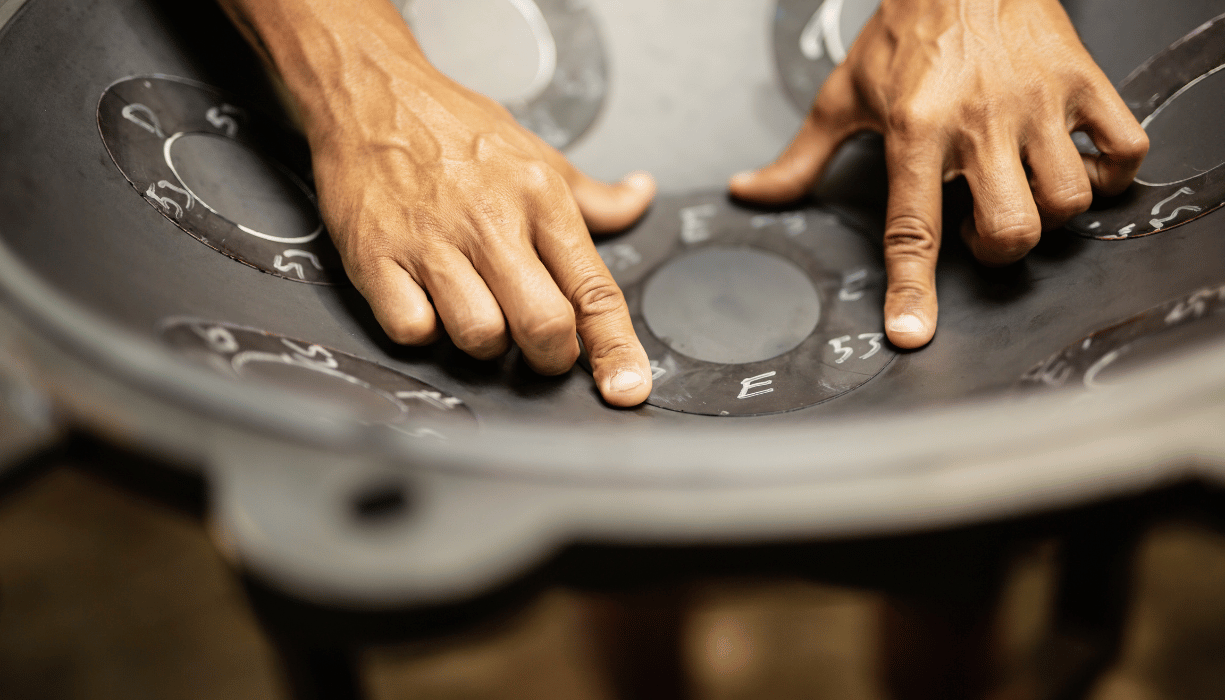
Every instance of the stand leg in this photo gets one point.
(1092, 600)
(638, 640)
(319, 673)
(937, 651)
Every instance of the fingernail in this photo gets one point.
(624, 380)
(639, 180)
(743, 178)
(907, 323)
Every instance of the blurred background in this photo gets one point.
(108, 592)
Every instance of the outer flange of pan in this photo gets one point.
(484, 510)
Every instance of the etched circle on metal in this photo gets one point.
(376, 393)
(233, 179)
(730, 305)
(570, 79)
(834, 342)
(811, 37)
(1095, 359)
(1176, 192)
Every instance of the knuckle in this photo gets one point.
(1012, 239)
(361, 269)
(410, 330)
(1068, 200)
(617, 347)
(539, 176)
(548, 327)
(912, 121)
(598, 295)
(909, 235)
(986, 110)
(1134, 146)
(479, 335)
(365, 254)
(908, 293)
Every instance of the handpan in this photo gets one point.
(168, 279)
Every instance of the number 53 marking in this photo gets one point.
(873, 341)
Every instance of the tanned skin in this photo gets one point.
(438, 201)
(988, 90)
(449, 216)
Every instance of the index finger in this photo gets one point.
(618, 361)
(912, 240)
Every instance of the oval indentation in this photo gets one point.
(731, 305)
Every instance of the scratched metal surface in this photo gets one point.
(555, 465)
(71, 216)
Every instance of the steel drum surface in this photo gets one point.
(691, 95)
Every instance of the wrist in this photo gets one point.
(336, 59)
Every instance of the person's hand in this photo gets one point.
(438, 201)
(985, 89)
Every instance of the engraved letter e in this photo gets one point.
(753, 383)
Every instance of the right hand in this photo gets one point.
(981, 89)
(438, 201)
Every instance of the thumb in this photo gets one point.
(605, 208)
(829, 123)
(610, 208)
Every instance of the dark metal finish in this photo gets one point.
(573, 70)
(1152, 207)
(1197, 318)
(717, 358)
(331, 506)
(376, 393)
(811, 37)
(147, 122)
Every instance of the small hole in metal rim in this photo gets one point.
(380, 503)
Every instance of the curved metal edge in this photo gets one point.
(816, 40)
(292, 523)
(76, 340)
(558, 96)
(633, 454)
(488, 507)
(205, 240)
(553, 90)
(8, 10)
(1147, 90)
(966, 463)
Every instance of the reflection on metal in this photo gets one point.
(1149, 119)
(546, 47)
(823, 29)
(8, 8)
(567, 91)
(811, 37)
